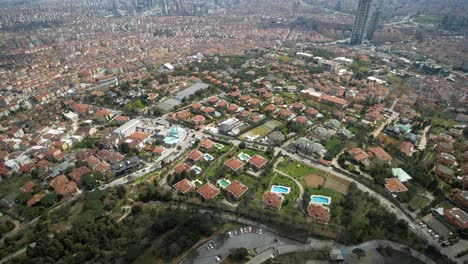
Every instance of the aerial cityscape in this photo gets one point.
(233, 131)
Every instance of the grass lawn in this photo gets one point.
(418, 202)
(284, 181)
(335, 196)
(332, 143)
(298, 170)
(12, 185)
(262, 130)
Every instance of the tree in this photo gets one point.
(121, 191)
(89, 181)
(49, 199)
(239, 253)
(125, 148)
(359, 252)
(242, 145)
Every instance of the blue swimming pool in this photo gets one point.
(320, 199)
(280, 189)
(208, 157)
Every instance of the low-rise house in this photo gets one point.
(182, 167)
(184, 186)
(207, 144)
(318, 212)
(195, 155)
(234, 164)
(406, 148)
(77, 173)
(257, 162)
(276, 138)
(457, 217)
(359, 156)
(446, 159)
(445, 147)
(308, 147)
(273, 200)
(285, 114)
(379, 155)
(236, 189)
(462, 198)
(444, 172)
(208, 191)
(393, 185)
(35, 199)
(27, 187)
(63, 186)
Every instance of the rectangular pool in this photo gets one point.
(320, 199)
(280, 189)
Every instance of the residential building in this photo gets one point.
(236, 189)
(208, 191)
(457, 217)
(234, 164)
(273, 200)
(184, 186)
(393, 185)
(257, 162)
(379, 155)
(318, 212)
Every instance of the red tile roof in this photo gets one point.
(35, 199)
(234, 164)
(63, 186)
(380, 154)
(77, 173)
(273, 200)
(207, 143)
(394, 185)
(195, 155)
(208, 191)
(318, 212)
(237, 189)
(27, 187)
(184, 186)
(258, 161)
(182, 167)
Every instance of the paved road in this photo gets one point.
(423, 142)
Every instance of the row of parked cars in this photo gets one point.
(245, 230)
(434, 235)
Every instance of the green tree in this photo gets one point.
(239, 254)
(359, 252)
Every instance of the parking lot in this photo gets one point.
(252, 239)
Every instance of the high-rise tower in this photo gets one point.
(360, 22)
(374, 23)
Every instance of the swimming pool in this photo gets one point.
(320, 199)
(208, 157)
(224, 183)
(219, 146)
(197, 169)
(280, 189)
(244, 157)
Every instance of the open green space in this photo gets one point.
(298, 170)
(262, 130)
(419, 202)
(12, 185)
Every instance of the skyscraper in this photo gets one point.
(360, 22)
(374, 23)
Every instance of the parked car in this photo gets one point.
(230, 234)
(217, 258)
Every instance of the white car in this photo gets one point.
(217, 258)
